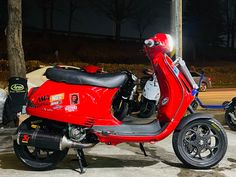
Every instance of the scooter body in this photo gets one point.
(73, 110)
(94, 103)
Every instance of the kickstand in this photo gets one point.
(82, 160)
(142, 149)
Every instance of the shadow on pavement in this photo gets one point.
(112, 162)
(10, 161)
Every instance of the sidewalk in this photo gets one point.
(6, 139)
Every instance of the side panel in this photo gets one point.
(75, 104)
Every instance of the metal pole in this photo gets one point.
(172, 18)
(176, 25)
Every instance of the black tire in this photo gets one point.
(196, 138)
(229, 121)
(122, 111)
(147, 108)
(203, 87)
(31, 157)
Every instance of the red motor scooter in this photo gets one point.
(73, 110)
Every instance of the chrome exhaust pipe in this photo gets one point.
(66, 143)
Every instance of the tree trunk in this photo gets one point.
(141, 33)
(70, 24)
(233, 28)
(51, 14)
(232, 34)
(194, 52)
(228, 23)
(118, 30)
(44, 9)
(140, 36)
(71, 12)
(14, 40)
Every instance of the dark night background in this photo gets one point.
(112, 31)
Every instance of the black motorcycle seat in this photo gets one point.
(111, 80)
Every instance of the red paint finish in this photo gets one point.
(53, 100)
(92, 69)
(94, 103)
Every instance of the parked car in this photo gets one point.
(206, 81)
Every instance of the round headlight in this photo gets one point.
(170, 42)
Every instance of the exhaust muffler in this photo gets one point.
(52, 141)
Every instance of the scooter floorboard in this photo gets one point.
(135, 120)
(128, 129)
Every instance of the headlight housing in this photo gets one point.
(165, 41)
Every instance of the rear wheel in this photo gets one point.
(201, 143)
(33, 157)
(230, 119)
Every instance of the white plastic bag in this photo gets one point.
(3, 97)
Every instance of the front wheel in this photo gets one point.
(201, 143)
(230, 119)
(33, 157)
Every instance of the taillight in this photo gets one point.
(209, 79)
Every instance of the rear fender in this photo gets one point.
(189, 118)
